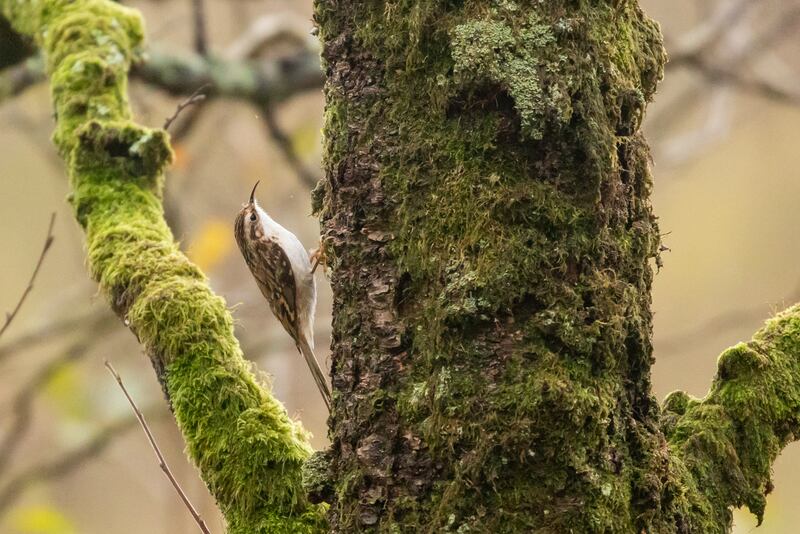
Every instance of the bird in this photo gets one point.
(284, 273)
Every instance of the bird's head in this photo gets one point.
(248, 226)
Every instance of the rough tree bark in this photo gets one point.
(486, 211)
(487, 208)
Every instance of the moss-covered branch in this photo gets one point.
(248, 450)
(726, 443)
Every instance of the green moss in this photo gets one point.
(727, 442)
(516, 191)
(248, 450)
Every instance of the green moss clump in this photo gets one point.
(492, 52)
(727, 442)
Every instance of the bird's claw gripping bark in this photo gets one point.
(318, 257)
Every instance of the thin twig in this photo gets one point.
(162, 463)
(47, 242)
(194, 98)
(199, 18)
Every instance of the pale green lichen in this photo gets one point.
(248, 450)
(495, 53)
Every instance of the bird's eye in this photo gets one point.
(252, 216)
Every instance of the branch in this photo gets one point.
(709, 32)
(727, 70)
(162, 463)
(272, 80)
(14, 80)
(249, 452)
(284, 144)
(717, 74)
(726, 442)
(47, 242)
(194, 98)
(269, 29)
(199, 23)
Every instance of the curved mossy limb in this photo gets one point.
(248, 451)
(727, 441)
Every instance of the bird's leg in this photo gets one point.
(318, 257)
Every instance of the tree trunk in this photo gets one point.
(487, 209)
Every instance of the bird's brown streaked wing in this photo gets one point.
(275, 278)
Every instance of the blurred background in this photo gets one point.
(72, 459)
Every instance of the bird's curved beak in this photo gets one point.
(253, 192)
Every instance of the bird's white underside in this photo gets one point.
(301, 268)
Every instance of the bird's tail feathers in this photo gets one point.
(316, 370)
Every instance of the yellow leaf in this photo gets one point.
(68, 392)
(212, 244)
(305, 140)
(180, 159)
(41, 519)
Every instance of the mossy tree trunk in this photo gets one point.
(487, 209)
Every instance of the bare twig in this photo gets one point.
(62, 465)
(284, 144)
(47, 242)
(199, 19)
(195, 97)
(162, 463)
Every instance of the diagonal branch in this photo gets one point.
(284, 144)
(249, 452)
